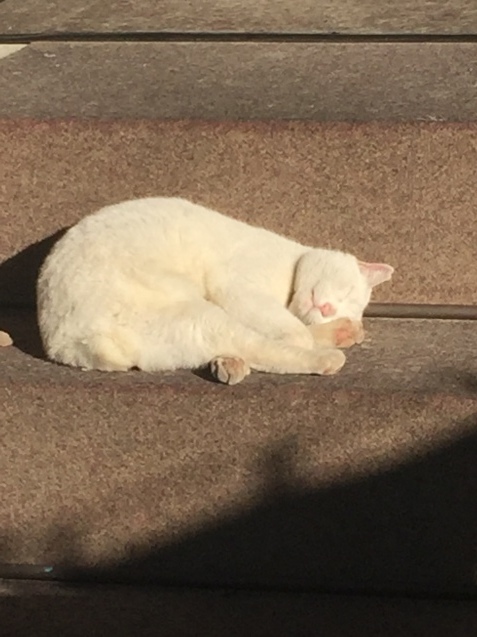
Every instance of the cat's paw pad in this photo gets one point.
(347, 332)
(229, 369)
(5, 339)
(331, 362)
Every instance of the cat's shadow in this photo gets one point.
(18, 276)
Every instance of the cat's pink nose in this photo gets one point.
(326, 309)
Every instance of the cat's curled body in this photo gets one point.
(162, 284)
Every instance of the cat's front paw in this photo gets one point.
(347, 332)
(229, 369)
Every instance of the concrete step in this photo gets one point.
(364, 482)
(341, 81)
(361, 482)
(281, 16)
(403, 193)
(41, 610)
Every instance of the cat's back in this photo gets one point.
(139, 236)
(138, 227)
(147, 218)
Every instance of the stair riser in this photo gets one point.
(400, 193)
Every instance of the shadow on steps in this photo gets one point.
(19, 273)
(407, 531)
(18, 276)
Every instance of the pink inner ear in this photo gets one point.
(376, 273)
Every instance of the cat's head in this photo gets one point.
(330, 284)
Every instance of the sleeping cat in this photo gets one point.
(163, 284)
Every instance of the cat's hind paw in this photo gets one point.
(229, 370)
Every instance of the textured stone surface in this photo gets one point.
(365, 481)
(399, 192)
(282, 16)
(318, 81)
(38, 610)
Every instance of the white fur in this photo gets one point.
(162, 284)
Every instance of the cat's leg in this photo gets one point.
(190, 335)
(342, 332)
(264, 314)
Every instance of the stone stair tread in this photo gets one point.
(35, 609)
(362, 482)
(404, 355)
(341, 81)
(325, 16)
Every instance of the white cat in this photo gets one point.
(162, 284)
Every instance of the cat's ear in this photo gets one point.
(376, 273)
